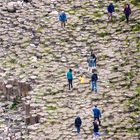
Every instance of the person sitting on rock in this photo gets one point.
(94, 79)
(127, 12)
(78, 124)
(63, 19)
(97, 114)
(70, 78)
(96, 133)
(110, 10)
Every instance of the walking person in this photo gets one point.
(70, 78)
(97, 114)
(94, 79)
(110, 10)
(63, 19)
(96, 133)
(127, 12)
(78, 124)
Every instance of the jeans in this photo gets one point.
(78, 129)
(93, 64)
(96, 135)
(94, 86)
(70, 83)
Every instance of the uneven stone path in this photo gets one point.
(116, 46)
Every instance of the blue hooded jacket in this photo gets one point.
(96, 112)
(110, 8)
(69, 75)
(62, 17)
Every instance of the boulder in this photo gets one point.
(11, 7)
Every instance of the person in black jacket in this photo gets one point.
(94, 79)
(78, 124)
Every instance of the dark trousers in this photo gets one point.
(127, 18)
(97, 119)
(78, 129)
(70, 83)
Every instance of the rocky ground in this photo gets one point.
(34, 48)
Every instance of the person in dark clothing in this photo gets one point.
(97, 114)
(94, 79)
(70, 78)
(78, 124)
(127, 12)
(110, 10)
(96, 128)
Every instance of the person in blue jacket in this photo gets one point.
(97, 114)
(63, 19)
(78, 124)
(70, 78)
(110, 10)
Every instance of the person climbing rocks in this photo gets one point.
(78, 124)
(94, 79)
(127, 12)
(63, 19)
(96, 133)
(70, 78)
(82, 78)
(110, 10)
(97, 114)
(94, 59)
(91, 62)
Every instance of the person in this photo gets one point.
(110, 10)
(127, 12)
(97, 114)
(78, 124)
(91, 62)
(82, 78)
(70, 78)
(63, 19)
(94, 59)
(94, 79)
(96, 128)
